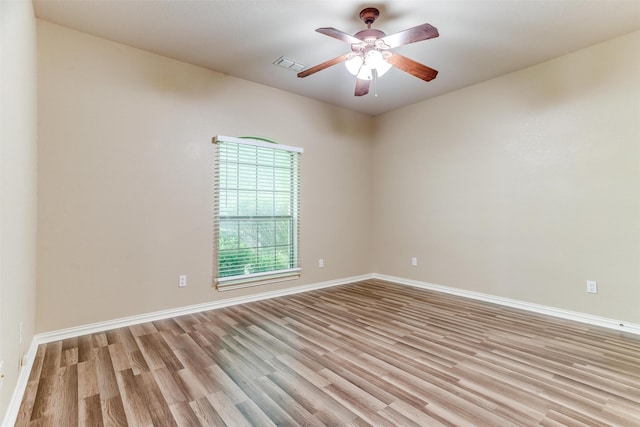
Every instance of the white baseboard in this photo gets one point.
(21, 385)
(618, 325)
(14, 404)
(181, 311)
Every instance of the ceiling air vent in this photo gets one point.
(289, 64)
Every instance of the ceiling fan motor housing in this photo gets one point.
(369, 33)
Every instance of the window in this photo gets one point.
(256, 212)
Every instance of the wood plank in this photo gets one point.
(137, 412)
(90, 412)
(206, 414)
(113, 414)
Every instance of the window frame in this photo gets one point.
(264, 277)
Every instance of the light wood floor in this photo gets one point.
(369, 353)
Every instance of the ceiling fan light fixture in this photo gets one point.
(383, 67)
(373, 59)
(365, 73)
(362, 65)
(377, 60)
(354, 64)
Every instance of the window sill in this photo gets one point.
(247, 281)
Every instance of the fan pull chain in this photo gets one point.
(375, 83)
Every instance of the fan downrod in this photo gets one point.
(369, 15)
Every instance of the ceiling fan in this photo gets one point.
(371, 52)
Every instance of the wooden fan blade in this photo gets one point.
(362, 87)
(411, 35)
(322, 66)
(412, 67)
(340, 35)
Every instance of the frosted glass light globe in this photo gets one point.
(354, 64)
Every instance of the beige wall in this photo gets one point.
(523, 187)
(18, 162)
(126, 178)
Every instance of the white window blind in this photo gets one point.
(256, 224)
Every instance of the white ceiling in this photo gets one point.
(479, 39)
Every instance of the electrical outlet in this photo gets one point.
(414, 261)
(321, 263)
(182, 280)
(592, 286)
